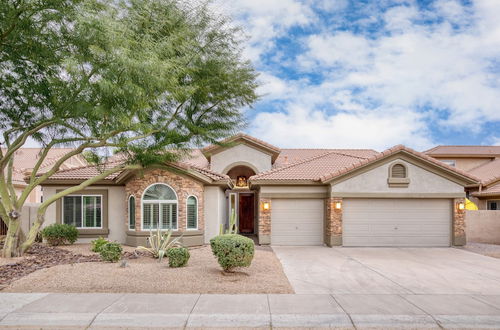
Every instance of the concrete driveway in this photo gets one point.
(406, 271)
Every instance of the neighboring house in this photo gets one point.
(481, 161)
(349, 197)
(25, 160)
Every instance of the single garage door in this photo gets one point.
(297, 221)
(396, 222)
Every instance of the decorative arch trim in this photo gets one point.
(240, 163)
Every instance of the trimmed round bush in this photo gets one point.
(111, 252)
(232, 250)
(178, 256)
(60, 234)
(97, 244)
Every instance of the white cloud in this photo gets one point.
(266, 20)
(303, 127)
(439, 73)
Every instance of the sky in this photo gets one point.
(372, 74)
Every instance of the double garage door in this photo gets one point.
(366, 222)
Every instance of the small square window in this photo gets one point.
(450, 162)
(494, 205)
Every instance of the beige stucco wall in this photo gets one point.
(466, 164)
(34, 196)
(307, 191)
(483, 226)
(240, 154)
(117, 208)
(375, 181)
(28, 216)
(215, 211)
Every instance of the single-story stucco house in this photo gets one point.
(350, 197)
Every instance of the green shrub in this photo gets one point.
(60, 234)
(232, 251)
(178, 256)
(97, 244)
(111, 252)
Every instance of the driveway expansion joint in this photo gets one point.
(342, 307)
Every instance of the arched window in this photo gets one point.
(192, 213)
(159, 207)
(131, 212)
(398, 171)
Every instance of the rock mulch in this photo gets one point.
(38, 257)
(147, 275)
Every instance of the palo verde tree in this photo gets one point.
(148, 78)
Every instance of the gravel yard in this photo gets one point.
(146, 275)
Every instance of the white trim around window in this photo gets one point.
(162, 203)
(82, 206)
(187, 213)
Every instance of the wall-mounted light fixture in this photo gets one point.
(338, 205)
(461, 206)
(266, 206)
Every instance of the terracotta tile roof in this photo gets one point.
(311, 168)
(493, 189)
(290, 156)
(89, 171)
(26, 158)
(389, 152)
(211, 174)
(465, 151)
(196, 158)
(86, 172)
(487, 172)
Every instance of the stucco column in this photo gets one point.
(264, 222)
(458, 223)
(333, 222)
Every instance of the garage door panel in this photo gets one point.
(297, 221)
(396, 222)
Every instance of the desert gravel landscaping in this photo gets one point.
(146, 275)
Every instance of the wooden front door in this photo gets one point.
(246, 213)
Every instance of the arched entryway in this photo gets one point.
(241, 199)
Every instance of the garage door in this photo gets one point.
(297, 221)
(396, 222)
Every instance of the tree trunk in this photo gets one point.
(32, 234)
(11, 246)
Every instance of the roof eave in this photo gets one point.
(464, 180)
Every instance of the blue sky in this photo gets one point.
(373, 74)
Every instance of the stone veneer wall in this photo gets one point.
(458, 223)
(183, 186)
(333, 222)
(265, 222)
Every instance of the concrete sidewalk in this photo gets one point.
(103, 310)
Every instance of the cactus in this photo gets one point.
(233, 229)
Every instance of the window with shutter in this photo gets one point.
(398, 171)
(83, 211)
(159, 204)
(131, 213)
(192, 213)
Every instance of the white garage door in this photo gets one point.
(297, 221)
(396, 222)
